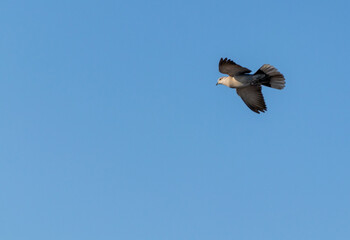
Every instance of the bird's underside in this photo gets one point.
(248, 86)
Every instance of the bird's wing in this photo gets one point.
(253, 98)
(229, 67)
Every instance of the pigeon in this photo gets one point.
(248, 86)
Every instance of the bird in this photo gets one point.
(248, 86)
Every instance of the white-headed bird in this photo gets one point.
(248, 86)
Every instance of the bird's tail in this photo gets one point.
(272, 77)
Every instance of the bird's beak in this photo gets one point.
(217, 84)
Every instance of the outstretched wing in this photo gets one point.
(253, 98)
(229, 67)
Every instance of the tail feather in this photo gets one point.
(272, 77)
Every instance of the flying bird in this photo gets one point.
(248, 86)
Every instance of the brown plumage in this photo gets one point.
(248, 86)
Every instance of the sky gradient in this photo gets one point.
(112, 127)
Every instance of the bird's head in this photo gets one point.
(220, 81)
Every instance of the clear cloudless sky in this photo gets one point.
(112, 127)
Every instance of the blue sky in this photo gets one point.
(112, 127)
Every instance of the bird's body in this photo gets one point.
(237, 81)
(248, 86)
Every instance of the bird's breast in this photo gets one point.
(238, 81)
